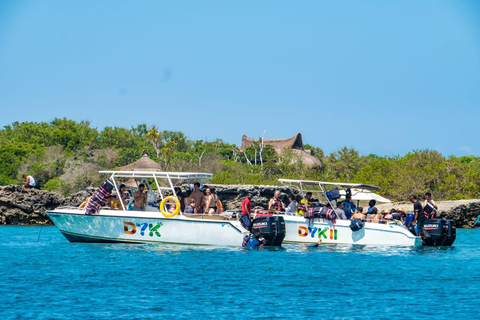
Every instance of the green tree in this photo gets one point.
(345, 163)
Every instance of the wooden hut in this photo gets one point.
(294, 143)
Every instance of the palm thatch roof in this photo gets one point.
(142, 164)
(294, 143)
(280, 145)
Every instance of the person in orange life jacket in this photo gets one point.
(275, 204)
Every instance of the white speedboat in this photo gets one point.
(301, 230)
(154, 225)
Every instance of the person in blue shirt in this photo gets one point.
(372, 210)
(348, 205)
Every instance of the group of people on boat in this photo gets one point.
(346, 210)
(206, 201)
(200, 202)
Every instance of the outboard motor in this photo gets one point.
(451, 233)
(435, 232)
(356, 224)
(280, 231)
(270, 228)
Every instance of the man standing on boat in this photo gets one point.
(197, 196)
(348, 205)
(246, 211)
(140, 198)
(419, 216)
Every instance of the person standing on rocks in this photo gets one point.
(29, 182)
(418, 212)
(246, 211)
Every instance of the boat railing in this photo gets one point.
(69, 208)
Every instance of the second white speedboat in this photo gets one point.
(301, 230)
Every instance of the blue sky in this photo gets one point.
(383, 77)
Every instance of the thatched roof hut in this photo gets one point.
(142, 164)
(294, 143)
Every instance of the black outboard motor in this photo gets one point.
(280, 231)
(270, 228)
(435, 232)
(451, 233)
(356, 224)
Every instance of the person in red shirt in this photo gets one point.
(246, 211)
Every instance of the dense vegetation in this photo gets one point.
(65, 156)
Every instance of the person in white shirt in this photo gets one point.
(29, 182)
(339, 211)
(290, 209)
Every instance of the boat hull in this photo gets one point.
(122, 227)
(300, 230)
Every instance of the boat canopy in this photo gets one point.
(166, 177)
(319, 187)
(159, 175)
(344, 185)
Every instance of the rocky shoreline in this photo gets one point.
(20, 206)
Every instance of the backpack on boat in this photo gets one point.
(333, 194)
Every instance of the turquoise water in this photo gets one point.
(55, 279)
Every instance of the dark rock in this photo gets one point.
(22, 206)
(77, 198)
(28, 206)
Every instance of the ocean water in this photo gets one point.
(55, 279)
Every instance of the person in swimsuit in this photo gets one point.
(211, 201)
(198, 197)
(359, 214)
